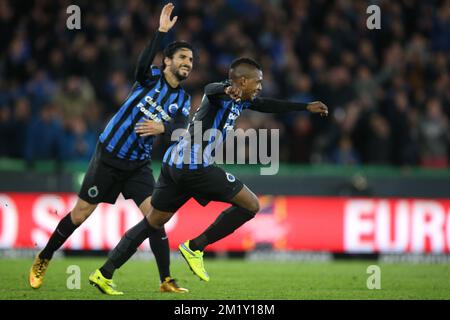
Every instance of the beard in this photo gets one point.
(180, 77)
(177, 73)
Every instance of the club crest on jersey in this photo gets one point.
(173, 108)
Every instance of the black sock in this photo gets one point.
(159, 243)
(107, 270)
(225, 224)
(126, 247)
(63, 231)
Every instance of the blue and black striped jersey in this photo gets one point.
(150, 98)
(216, 115)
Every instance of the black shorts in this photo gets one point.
(104, 182)
(176, 186)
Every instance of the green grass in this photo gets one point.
(236, 279)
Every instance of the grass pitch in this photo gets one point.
(234, 279)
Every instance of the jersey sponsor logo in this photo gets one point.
(233, 116)
(235, 112)
(228, 126)
(158, 108)
(93, 191)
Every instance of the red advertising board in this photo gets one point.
(285, 222)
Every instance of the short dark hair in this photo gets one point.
(173, 47)
(249, 61)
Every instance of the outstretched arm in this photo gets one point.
(216, 89)
(147, 56)
(270, 105)
(222, 89)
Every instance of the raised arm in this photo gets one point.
(270, 105)
(147, 56)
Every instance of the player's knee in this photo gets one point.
(81, 212)
(157, 219)
(254, 206)
(153, 221)
(78, 217)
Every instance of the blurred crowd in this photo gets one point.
(388, 90)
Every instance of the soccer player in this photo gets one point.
(187, 171)
(156, 104)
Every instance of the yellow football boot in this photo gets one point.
(194, 259)
(170, 285)
(105, 286)
(37, 272)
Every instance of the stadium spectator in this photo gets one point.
(345, 154)
(79, 140)
(45, 136)
(74, 97)
(5, 130)
(434, 136)
(19, 126)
